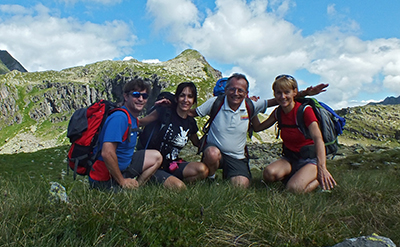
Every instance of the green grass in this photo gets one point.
(366, 201)
(3, 68)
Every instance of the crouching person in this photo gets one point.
(300, 174)
(119, 166)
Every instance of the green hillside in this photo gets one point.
(3, 68)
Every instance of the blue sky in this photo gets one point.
(352, 45)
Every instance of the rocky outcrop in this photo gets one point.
(8, 106)
(10, 62)
(375, 122)
(37, 99)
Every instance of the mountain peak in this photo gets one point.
(388, 101)
(9, 63)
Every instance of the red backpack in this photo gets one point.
(83, 132)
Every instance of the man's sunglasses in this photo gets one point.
(137, 95)
(286, 76)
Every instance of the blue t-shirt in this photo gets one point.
(113, 131)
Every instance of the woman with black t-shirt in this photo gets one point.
(171, 128)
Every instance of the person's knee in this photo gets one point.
(158, 157)
(300, 187)
(154, 157)
(202, 170)
(240, 181)
(297, 186)
(269, 174)
(212, 153)
(294, 187)
(174, 183)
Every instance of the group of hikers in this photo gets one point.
(122, 165)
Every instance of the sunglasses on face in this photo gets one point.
(138, 94)
(286, 76)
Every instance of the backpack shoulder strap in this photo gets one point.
(300, 119)
(219, 101)
(280, 125)
(249, 107)
(129, 130)
(306, 102)
(250, 111)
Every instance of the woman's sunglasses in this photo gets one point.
(286, 76)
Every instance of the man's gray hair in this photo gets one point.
(237, 76)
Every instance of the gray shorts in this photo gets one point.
(296, 165)
(232, 167)
(134, 169)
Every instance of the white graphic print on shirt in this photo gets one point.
(177, 140)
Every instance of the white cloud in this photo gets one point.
(127, 58)
(392, 82)
(151, 61)
(14, 9)
(41, 40)
(261, 44)
(105, 2)
(331, 9)
(173, 13)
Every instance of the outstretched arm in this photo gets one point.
(324, 177)
(153, 116)
(310, 91)
(257, 126)
(193, 113)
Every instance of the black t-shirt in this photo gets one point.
(171, 133)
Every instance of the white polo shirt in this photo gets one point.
(228, 131)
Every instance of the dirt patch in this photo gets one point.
(26, 143)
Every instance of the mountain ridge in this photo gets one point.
(9, 63)
(35, 106)
(391, 100)
(39, 104)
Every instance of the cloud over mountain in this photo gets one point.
(258, 40)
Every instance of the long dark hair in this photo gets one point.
(182, 86)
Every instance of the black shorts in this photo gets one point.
(162, 174)
(134, 169)
(232, 167)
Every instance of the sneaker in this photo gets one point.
(212, 179)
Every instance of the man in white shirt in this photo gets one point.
(227, 136)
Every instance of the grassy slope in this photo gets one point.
(3, 68)
(93, 74)
(366, 201)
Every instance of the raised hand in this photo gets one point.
(162, 102)
(314, 90)
(255, 98)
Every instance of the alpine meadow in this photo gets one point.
(36, 108)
